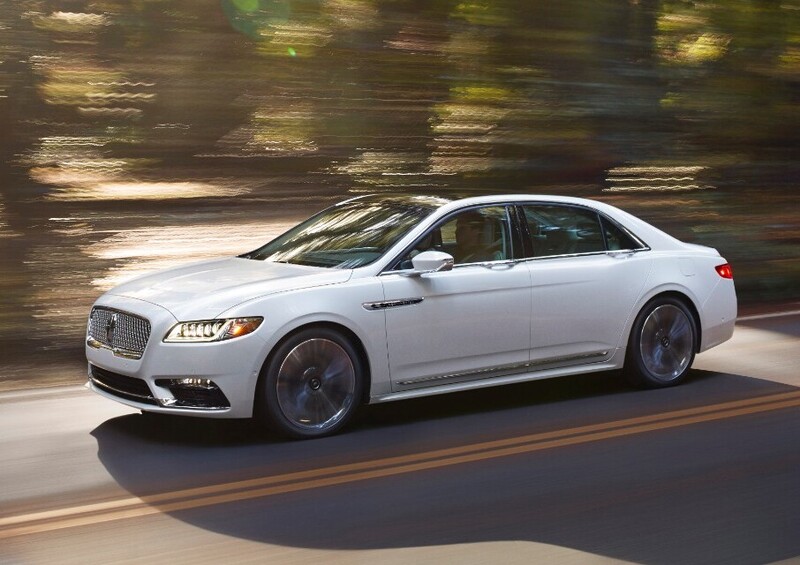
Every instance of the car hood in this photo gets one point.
(208, 288)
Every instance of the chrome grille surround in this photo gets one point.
(124, 334)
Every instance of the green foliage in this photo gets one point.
(316, 98)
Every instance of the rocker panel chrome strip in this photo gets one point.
(504, 371)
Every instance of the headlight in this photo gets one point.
(211, 330)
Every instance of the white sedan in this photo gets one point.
(385, 298)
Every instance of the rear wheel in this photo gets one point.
(312, 384)
(662, 344)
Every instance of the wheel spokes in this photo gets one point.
(315, 385)
(666, 342)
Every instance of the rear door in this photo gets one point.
(586, 275)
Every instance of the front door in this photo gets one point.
(472, 322)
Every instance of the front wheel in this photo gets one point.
(662, 344)
(312, 384)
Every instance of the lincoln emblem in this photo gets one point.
(110, 325)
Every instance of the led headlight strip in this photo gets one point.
(211, 330)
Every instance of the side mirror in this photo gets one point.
(431, 262)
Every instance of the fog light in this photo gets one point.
(194, 383)
(194, 392)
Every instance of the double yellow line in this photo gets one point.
(132, 507)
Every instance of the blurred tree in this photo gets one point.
(120, 114)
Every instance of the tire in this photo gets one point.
(662, 344)
(311, 385)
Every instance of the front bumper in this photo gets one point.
(190, 393)
(216, 380)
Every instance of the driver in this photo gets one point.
(470, 244)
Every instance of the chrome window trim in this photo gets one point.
(588, 254)
(484, 264)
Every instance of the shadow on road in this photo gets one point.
(723, 491)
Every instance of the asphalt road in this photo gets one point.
(574, 470)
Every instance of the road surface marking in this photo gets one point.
(198, 497)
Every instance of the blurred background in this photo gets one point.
(137, 134)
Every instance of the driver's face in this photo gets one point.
(467, 231)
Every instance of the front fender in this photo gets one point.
(341, 305)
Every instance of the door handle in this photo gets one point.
(499, 265)
(620, 254)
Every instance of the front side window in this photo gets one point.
(345, 236)
(477, 235)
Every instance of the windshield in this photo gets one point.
(346, 236)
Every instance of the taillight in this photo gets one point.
(725, 271)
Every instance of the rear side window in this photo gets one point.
(563, 230)
(557, 229)
(618, 239)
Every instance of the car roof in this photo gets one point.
(441, 201)
(443, 206)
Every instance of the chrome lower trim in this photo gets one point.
(506, 370)
(173, 404)
(570, 358)
(383, 305)
(163, 402)
(122, 393)
(482, 374)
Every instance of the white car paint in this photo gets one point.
(475, 325)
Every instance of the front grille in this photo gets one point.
(122, 386)
(123, 333)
